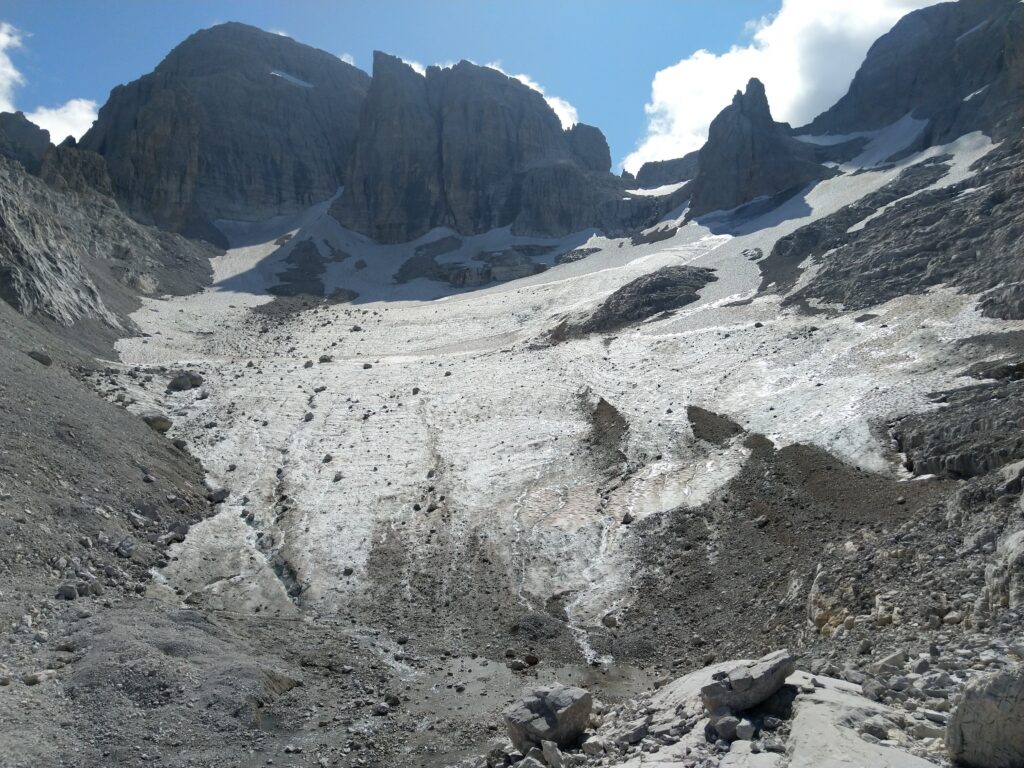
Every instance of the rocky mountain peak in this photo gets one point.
(749, 155)
(753, 102)
(235, 123)
(957, 65)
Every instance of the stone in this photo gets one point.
(157, 421)
(594, 746)
(40, 357)
(552, 754)
(558, 713)
(23, 141)
(985, 730)
(67, 592)
(758, 680)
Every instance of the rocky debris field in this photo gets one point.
(767, 714)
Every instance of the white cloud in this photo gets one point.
(806, 55)
(566, 112)
(72, 118)
(10, 77)
(278, 32)
(420, 69)
(348, 58)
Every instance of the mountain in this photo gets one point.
(752, 483)
(960, 66)
(235, 123)
(469, 148)
(749, 155)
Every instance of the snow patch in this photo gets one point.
(290, 79)
(665, 189)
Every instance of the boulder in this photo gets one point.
(987, 728)
(558, 714)
(157, 420)
(747, 685)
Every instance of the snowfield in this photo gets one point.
(452, 399)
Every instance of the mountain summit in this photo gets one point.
(235, 123)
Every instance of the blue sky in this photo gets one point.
(602, 56)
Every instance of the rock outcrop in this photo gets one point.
(658, 173)
(958, 65)
(663, 290)
(470, 148)
(69, 169)
(68, 256)
(985, 730)
(749, 155)
(235, 123)
(23, 140)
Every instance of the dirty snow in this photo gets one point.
(506, 435)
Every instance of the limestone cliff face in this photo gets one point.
(472, 149)
(958, 65)
(394, 190)
(69, 169)
(234, 123)
(749, 155)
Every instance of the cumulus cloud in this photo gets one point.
(348, 58)
(565, 111)
(72, 118)
(10, 77)
(806, 55)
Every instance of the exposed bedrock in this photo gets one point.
(234, 123)
(470, 148)
(956, 64)
(967, 234)
(658, 292)
(749, 155)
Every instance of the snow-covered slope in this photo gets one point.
(439, 425)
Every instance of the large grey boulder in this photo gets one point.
(749, 155)
(747, 685)
(987, 728)
(157, 421)
(234, 123)
(557, 714)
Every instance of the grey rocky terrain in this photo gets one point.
(488, 461)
